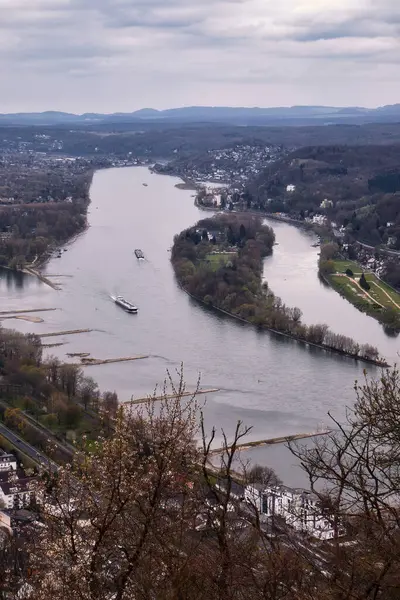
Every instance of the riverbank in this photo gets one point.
(233, 285)
(377, 363)
(363, 289)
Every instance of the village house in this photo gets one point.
(17, 494)
(15, 486)
(300, 509)
(8, 462)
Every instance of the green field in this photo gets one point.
(373, 301)
(342, 265)
(215, 261)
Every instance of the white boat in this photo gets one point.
(131, 308)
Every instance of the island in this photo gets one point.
(219, 262)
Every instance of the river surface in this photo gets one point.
(273, 384)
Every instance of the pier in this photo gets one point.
(277, 440)
(171, 396)
(21, 312)
(87, 362)
(70, 332)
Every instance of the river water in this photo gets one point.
(273, 384)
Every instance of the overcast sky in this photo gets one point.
(121, 55)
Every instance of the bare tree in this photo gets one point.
(356, 472)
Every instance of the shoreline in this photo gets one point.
(377, 363)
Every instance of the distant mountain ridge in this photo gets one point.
(293, 115)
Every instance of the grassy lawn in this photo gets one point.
(350, 291)
(342, 265)
(215, 261)
(379, 291)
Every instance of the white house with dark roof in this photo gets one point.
(16, 493)
(301, 509)
(8, 462)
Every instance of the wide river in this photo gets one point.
(273, 384)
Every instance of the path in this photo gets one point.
(386, 294)
(360, 288)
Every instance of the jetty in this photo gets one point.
(277, 440)
(87, 362)
(69, 332)
(171, 396)
(20, 312)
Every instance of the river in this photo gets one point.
(271, 383)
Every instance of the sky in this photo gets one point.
(122, 55)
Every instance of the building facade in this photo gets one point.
(300, 509)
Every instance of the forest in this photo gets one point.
(357, 187)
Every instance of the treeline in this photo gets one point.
(57, 395)
(29, 230)
(234, 283)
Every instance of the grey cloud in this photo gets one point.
(240, 45)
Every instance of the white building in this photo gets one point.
(290, 188)
(299, 508)
(326, 204)
(16, 494)
(8, 462)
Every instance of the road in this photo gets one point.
(42, 430)
(27, 449)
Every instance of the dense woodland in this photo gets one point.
(234, 283)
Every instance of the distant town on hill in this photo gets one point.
(293, 115)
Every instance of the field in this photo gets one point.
(374, 301)
(215, 261)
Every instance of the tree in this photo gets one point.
(143, 514)
(364, 283)
(242, 232)
(329, 251)
(357, 468)
(230, 236)
(88, 390)
(13, 418)
(326, 267)
(69, 377)
(264, 475)
(349, 273)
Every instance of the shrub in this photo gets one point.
(349, 273)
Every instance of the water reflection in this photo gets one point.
(10, 280)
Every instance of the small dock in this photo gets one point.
(172, 396)
(277, 440)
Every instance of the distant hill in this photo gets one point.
(293, 115)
